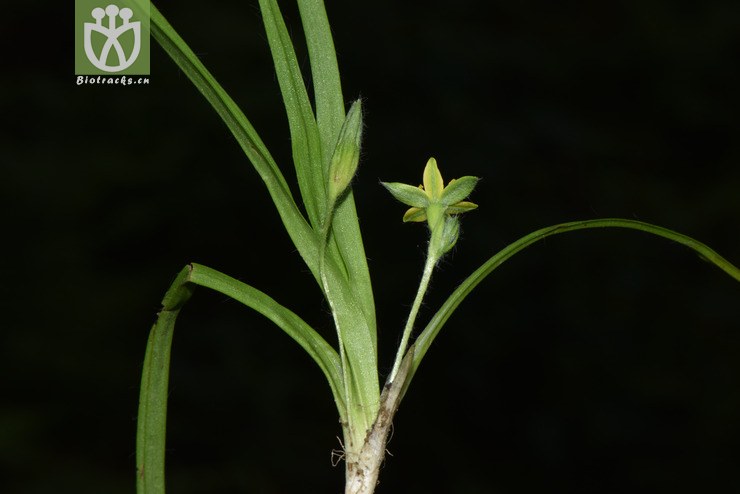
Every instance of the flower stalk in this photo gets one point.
(438, 206)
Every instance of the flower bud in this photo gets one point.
(450, 233)
(346, 155)
(444, 237)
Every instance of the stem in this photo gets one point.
(431, 261)
(362, 471)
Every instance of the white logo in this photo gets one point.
(111, 32)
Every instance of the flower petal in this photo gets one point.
(461, 207)
(433, 180)
(415, 214)
(407, 194)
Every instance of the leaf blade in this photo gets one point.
(327, 85)
(432, 329)
(247, 137)
(152, 416)
(330, 116)
(305, 139)
(303, 334)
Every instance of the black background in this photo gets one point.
(599, 361)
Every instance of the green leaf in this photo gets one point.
(152, 421)
(348, 251)
(348, 238)
(327, 86)
(348, 288)
(345, 266)
(360, 362)
(151, 425)
(317, 348)
(432, 329)
(305, 139)
(330, 115)
(298, 229)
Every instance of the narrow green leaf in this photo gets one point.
(307, 153)
(347, 273)
(151, 426)
(443, 314)
(347, 237)
(298, 230)
(360, 363)
(345, 246)
(330, 115)
(327, 86)
(319, 350)
(346, 249)
(304, 238)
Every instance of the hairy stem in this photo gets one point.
(431, 261)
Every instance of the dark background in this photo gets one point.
(599, 361)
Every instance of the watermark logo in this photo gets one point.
(111, 38)
(112, 33)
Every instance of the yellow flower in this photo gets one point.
(434, 193)
(436, 204)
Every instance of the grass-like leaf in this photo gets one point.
(330, 113)
(298, 229)
(432, 329)
(346, 273)
(151, 426)
(152, 421)
(346, 238)
(304, 132)
(351, 299)
(327, 86)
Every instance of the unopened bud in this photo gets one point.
(346, 155)
(445, 237)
